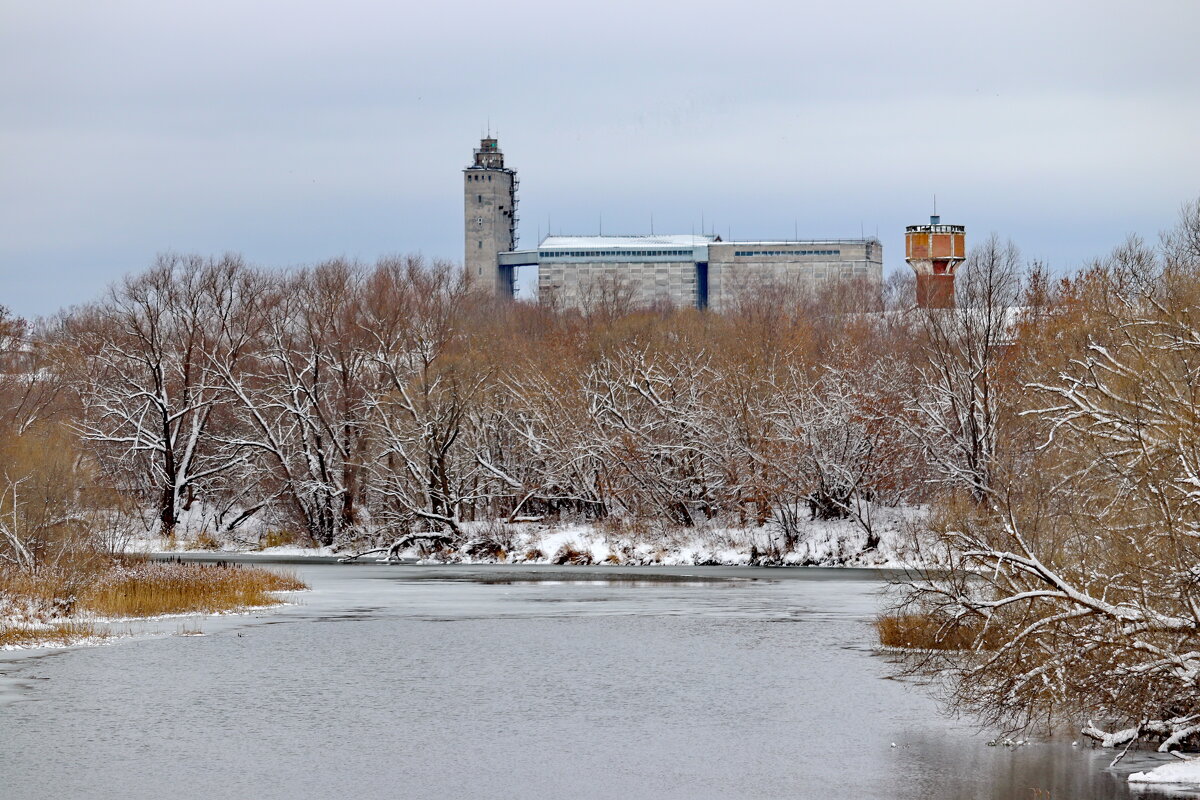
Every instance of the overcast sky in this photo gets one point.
(297, 131)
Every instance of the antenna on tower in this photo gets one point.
(601, 229)
(651, 223)
(796, 229)
(935, 205)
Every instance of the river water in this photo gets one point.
(464, 682)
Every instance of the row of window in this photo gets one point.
(788, 253)
(604, 253)
(472, 177)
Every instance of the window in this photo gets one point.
(478, 198)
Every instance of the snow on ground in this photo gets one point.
(1176, 772)
(819, 543)
(629, 542)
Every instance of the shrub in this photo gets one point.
(281, 538)
(570, 554)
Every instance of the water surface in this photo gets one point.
(454, 682)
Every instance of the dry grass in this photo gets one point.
(63, 633)
(152, 588)
(53, 605)
(925, 632)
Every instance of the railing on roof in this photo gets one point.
(868, 240)
(936, 229)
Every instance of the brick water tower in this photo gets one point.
(934, 251)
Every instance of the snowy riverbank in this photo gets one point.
(816, 543)
(1178, 773)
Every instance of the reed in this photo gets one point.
(53, 605)
(61, 633)
(151, 588)
(926, 632)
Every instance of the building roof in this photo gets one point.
(761, 242)
(612, 242)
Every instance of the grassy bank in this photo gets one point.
(59, 605)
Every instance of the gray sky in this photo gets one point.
(297, 131)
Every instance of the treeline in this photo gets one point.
(352, 402)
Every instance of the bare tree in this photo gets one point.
(148, 393)
(1067, 588)
(300, 397)
(959, 398)
(422, 476)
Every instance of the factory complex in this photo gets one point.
(684, 270)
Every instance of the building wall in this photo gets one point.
(488, 201)
(735, 267)
(578, 282)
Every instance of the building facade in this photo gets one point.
(737, 267)
(680, 270)
(577, 271)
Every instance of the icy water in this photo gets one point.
(493, 682)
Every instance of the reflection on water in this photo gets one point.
(478, 682)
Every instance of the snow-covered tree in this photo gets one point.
(150, 397)
(1071, 574)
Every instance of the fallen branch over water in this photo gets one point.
(394, 550)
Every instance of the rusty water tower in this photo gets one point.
(935, 251)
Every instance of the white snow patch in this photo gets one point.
(1178, 772)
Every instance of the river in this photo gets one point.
(532, 682)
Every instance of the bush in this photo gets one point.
(570, 554)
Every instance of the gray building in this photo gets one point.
(683, 270)
(490, 217)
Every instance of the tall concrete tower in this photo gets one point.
(934, 251)
(490, 214)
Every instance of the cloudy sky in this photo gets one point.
(297, 131)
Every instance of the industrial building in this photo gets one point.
(683, 270)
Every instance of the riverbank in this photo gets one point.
(71, 604)
(816, 543)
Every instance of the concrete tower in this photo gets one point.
(934, 251)
(490, 214)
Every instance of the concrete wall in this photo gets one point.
(579, 283)
(488, 201)
(730, 271)
(733, 267)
